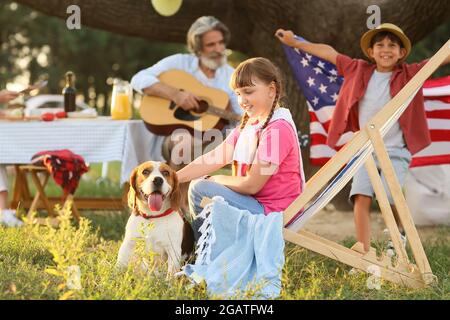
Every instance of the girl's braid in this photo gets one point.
(275, 102)
(243, 121)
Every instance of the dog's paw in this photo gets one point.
(120, 267)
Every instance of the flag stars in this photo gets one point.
(323, 88)
(321, 64)
(335, 97)
(315, 101)
(308, 56)
(317, 70)
(304, 62)
(334, 72)
(311, 82)
(332, 79)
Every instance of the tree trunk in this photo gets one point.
(252, 23)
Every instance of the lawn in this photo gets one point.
(35, 263)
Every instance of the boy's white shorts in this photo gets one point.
(400, 158)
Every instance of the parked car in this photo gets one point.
(37, 105)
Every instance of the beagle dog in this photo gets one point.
(154, 199)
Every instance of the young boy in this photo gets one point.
(5, 96)
(367, 87)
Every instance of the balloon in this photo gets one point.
(166, 7)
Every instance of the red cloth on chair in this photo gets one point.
(65, 167)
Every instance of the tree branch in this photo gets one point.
(336, 22)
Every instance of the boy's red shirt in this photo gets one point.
(357, 73)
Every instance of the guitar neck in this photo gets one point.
(224, 114)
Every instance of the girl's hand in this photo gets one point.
(210, 178)
(286, 37)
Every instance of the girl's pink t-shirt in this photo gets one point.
(277, 146)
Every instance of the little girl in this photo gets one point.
(264, 150)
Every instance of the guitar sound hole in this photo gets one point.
(203, 106)
(184, 115)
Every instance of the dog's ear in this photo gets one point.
(175, 195)
(132, 191)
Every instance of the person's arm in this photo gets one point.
(6, 95)
(184, 99)
(322, 51)
(146, 82)
(252, 183)
(207, 163)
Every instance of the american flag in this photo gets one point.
(436, 93)
(320, 84)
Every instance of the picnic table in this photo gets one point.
(97, 140)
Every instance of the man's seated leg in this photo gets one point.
(3, 188)
(7, 216)
(178, 150)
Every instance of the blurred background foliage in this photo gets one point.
(36, 46)
(430, 45)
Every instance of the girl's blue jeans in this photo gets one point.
(200, 188)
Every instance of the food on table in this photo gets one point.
(48, 116)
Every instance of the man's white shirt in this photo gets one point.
(188, 63)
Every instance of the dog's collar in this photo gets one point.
(165, 213)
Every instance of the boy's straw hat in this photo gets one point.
(367, 37)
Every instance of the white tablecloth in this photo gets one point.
(96, 140)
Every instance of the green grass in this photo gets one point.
(34, 263)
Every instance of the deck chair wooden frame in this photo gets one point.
(403, 271)
(40, 177)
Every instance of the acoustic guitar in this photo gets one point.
(162, 116)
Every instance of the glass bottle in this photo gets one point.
(69, 92)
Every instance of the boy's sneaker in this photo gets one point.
(8, 218)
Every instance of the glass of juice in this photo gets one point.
(122, 95)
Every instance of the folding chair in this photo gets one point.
(333, 176)
(40, 177)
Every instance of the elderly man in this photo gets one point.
(206, 40)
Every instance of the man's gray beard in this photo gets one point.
(213, 64)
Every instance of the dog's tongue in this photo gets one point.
(155, 201)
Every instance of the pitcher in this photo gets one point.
(122, 95)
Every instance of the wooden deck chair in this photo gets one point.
(333, 176)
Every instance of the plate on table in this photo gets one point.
(14, 118)
(85, 114)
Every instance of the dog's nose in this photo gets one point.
(158, 181)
